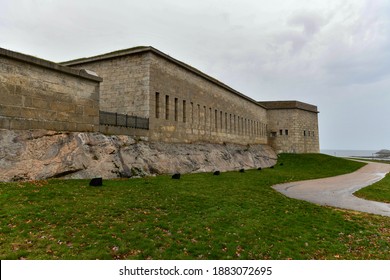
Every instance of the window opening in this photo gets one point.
(185, 112)
(167, 107)
(157, 105)
(176, 108)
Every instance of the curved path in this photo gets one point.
(338, 191)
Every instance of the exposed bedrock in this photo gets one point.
(42, 154)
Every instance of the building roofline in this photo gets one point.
(289, 104)
(82, 73)
(145, 49)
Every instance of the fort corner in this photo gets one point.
(293, 126)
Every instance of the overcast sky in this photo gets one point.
(331, 53)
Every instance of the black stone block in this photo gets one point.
(96, 182)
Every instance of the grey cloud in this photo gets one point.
(366, 66)
(301, 28)
(360, 50)
(310, 22)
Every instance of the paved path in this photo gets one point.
(338, 191)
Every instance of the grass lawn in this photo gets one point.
(201, 216)
(379, 191)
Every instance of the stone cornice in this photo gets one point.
(82, 73)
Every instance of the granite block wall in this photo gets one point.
(125, 86)
(37, 94)
(186, 107)
(293, 131)
(182, 105)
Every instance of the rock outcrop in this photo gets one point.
(42, 154)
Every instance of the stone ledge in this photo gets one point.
(290, 104)
(82, 73)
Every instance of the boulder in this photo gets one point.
(42, 154)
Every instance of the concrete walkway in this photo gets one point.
(338, 191)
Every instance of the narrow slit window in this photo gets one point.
(286, 132)
(230, 124)
(157, 105)
(192, 112)
(226, 122)
(167, 107)
(210, 119)
(176, 109)
(198, 114)
(185, 112)
(236, 124)
(220, 119)
(205, 117)
(216, 120)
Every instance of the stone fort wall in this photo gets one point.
(187, 107)
(183, 104)
(125, 86)
(38, 94)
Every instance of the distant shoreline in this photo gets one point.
(363, 154)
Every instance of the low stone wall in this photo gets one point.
(42, 154)
(39, 94)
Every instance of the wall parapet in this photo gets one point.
(289, 104)
(86, 74)
(39, 94)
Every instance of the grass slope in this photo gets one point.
(379, 191)
(201, 216)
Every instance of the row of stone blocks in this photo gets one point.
(25, 124)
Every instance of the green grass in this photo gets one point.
(379, 191)
(201, 216)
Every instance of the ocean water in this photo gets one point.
(350, 153)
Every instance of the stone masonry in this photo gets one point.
(39, 94)
(180, 103)
(293, 126)
(183, 104)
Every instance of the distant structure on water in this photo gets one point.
(383, 154)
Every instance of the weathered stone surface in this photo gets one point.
(42, 154)
(38, 94)
(293, 127)
(183, 104)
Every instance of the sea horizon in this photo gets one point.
(349, 153)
